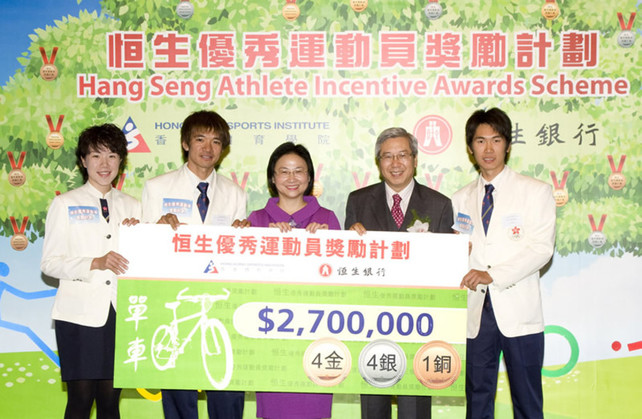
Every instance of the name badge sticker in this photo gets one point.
(179, 207)
(512, 220)
(221, 220)
(83, 215)
(463, 223)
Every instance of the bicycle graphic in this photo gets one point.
(167, 345)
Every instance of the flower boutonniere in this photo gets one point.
(418, 224)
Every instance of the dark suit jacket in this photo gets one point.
(368, 206)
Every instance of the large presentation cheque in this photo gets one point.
(253, 309)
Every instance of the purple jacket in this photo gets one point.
(294, 405)
(312, 212)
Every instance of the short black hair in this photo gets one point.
(96, 137)
(497, 119)
(494, 117)
(208, 120)
(290, 148)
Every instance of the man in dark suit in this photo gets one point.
(394, 205)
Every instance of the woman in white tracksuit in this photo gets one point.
(81, 236)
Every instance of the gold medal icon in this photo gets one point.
(359, 5)
(291, 10)
(317, 189)
(327, 362)
(48, 71)
(55, 139)
(550, 10)
(437, 365)
(559, 193)
(19, 241)
(16, 175)
(561, 197)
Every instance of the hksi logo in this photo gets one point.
(135, 141)
(434, 134)
(211, 268)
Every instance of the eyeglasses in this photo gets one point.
(389, 157)
(298, 173)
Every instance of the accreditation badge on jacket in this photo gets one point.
(179, 207)
(463, 223)
(83, 214)
(514, 226)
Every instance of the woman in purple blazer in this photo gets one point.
(290, 176)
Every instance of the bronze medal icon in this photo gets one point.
(19, 241)
(359, 5)
(616, 179)
(16, 175)
(550, 10)
(559, 193)
(437, 365)
(48, 71)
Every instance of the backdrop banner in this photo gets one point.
(330, 75)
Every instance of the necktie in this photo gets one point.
(397, 214)
(104, 208)
(487, 206)
(203, 201)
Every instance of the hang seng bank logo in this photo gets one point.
(434, 134)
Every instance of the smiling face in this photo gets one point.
(489, 149)
(203, 151)
(291, 176)
(397, 163)
(102, 168)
